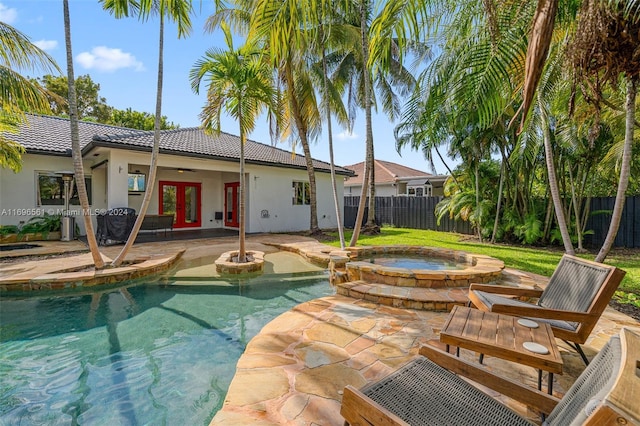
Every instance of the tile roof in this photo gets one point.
(385, 172)
(195, 142)
(45, 134)
(51, 135)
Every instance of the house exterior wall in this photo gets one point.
(269, 189)
(388, 190)
(382, 190)
(18, 190)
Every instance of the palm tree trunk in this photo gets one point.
(153, 168)
(371, 227)
(576, 210)
(553, 183)
(499, 204)
(625, 171)
(304, 141)
(478, 221)
(242, 254)
(369, 132)
(446, 165)
(78, 167)
(334, 186)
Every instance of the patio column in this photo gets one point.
(117, 180)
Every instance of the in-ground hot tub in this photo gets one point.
(410, 266)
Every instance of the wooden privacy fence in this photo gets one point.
(418, 213)
(629, 232)
(405, 212)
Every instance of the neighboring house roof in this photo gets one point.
(45, 134)
(387, 172)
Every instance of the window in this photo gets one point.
(419, 188)
(301, 193)
(50, 190)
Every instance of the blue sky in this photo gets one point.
(121, 55)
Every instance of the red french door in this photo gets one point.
(231, 205)
(182, 200)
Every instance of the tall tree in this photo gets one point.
(91, 106)
(606, 48)
(17, 93)
(331, 95)
(78, 166)
(138, 120)
(284, 27)
(239, 83)
(387, 30)
(178, 11)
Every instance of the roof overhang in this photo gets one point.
(96, 143)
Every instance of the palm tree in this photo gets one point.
(239, 82)
(329, 96)
(18, 93)
(78, 166)
(605, 53)
(285, 28)
(178, 11)
(387, 29)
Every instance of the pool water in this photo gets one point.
(152, 353)
(416, 262)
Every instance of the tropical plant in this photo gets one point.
(41, 225)
(239, 82)
(9, 229)
(18, 93)
(78, 166)
(178, 11)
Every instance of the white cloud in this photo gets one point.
(344, 135)
(8, 15)
(106, 59)
(46, 44)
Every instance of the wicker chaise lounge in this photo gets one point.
(572, 302)
(427, 392)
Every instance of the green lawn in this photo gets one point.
(540, 260)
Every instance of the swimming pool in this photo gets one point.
(154, 353)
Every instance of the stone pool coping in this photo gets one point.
(254, 263)
(479, 268)
(74, 276)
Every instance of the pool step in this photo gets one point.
(428, 299)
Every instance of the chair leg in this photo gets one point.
(578, 349)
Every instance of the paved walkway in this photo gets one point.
(294, 370)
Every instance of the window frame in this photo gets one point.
(301, 193)
(73, 201)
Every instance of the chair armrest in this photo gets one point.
(555, 314)
(540, 401)
(510, 291)
(358, 409)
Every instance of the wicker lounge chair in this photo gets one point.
(427, 392)
(572, 302)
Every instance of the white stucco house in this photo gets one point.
(394, 179)
(197, 179)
